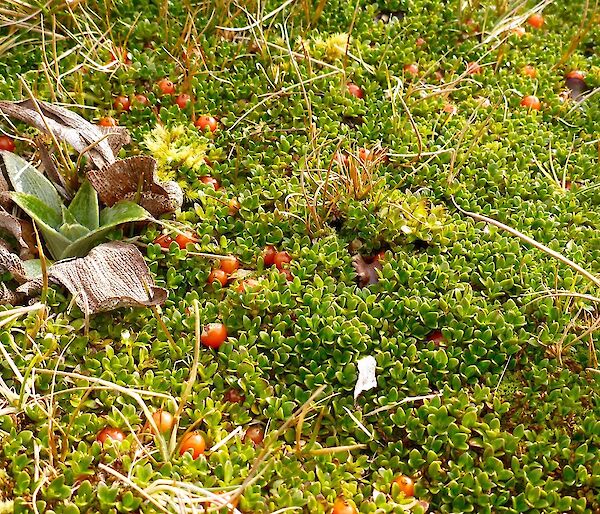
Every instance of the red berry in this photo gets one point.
(122, 103)
(193, 442)
(183, 100)
(164, 240)
(233, 207)
(342, 506)
(529, 70)
(255, 434)
(281, 258)
(406, 485)
(141, 100)
(166, 86)
(206, 122)
(287, 274)
(536, 20)
(249, 283)
(7, 143)
(234, 396)
(210, 181)
(531, 102)
(184, 239)
(436, 337)
(229, 264)
(420, 42)
(218, 275)
(575, 74)
(355, 91)
(108, 121)
(110, 433)
(411, 69)
(164, 421)
(269, 255)
(450, 109)
(213, 335)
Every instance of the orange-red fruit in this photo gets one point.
(530, 71)
(281, 258)
(420, 42)
(210, 181)
(342, 506)
(166, 87)
(110, 433)
(406, 485)
(233, 207)
(536, 20)
(249, 283)
(411, 69)
(355, 91)
(531, 102)
(7, 143)
(183, 100)
(193, 442)
(473, 68)
(255, 434)
(184, 239)
(229, 264)
(164, 241)
(450, 109)
(287, 274)
(363, 154)
(206, 122)
(107, 122)
(164, 421)
(234, 396)
(122, 103)
(269, 255)
(141, 100)
(213, 335)
(218, 275)
(575, 74)
(436, 337)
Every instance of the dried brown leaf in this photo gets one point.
(117, 138)
(22, 231)
(366, 269)
(135, 179)
(5, 200)
(9, 297)
(112, 275)
(65, 125)
(11, 262)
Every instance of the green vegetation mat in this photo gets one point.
(486, 347)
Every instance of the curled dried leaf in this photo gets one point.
(117, 137)
(66, 126)
(9, 297)
(135, 179)
(11, 262)
(366, 269)
(112, 275)
(22, 231)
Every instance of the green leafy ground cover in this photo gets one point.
(515, 426)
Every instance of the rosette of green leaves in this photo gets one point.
(67, 231)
